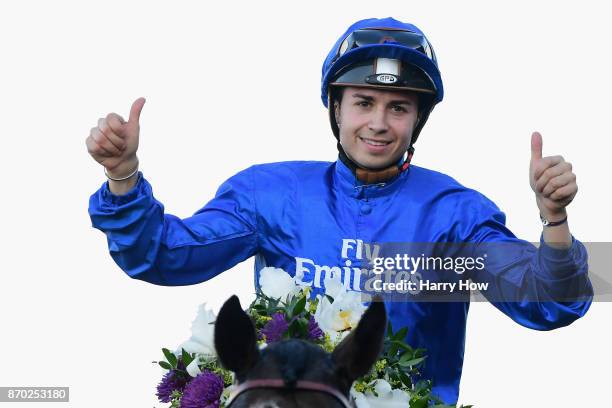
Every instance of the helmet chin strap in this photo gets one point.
(373, 176)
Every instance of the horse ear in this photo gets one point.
(235, 340)
(360, 349)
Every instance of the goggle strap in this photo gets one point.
(387, 66)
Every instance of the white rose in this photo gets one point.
(202, 333)
(340, 315)
(276, 283)
(360, 399)
(382, 388)
(393, 399)
(400, 395)
(333, 286)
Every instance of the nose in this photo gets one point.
(378, 121)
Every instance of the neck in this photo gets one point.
(373, 176)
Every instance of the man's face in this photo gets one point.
(375, 125)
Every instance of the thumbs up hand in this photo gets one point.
(552, 180)
(114, 142)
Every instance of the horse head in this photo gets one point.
(295, 373)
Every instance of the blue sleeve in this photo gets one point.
(165, 250)
(542, 288)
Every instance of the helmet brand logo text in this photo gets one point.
(386, 78)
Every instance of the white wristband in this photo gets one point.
(122, 178)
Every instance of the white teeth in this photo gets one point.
(375, 143)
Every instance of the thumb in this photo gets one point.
(536, 146)
(135, 110)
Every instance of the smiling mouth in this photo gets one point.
(373, 142)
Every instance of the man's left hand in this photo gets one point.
(552, 180)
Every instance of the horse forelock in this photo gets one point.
(266, 404)
(291, 361)
(266, 398)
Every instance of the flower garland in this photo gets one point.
(283, 309)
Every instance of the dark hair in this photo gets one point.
(336, 93)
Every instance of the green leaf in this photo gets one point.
(394, 377)
(294, 329)
(422, 385)
(165, 365)
(298, 328)
(419, 403)
(402, 345)
(405, 379)
(187, 359)
(299, 306)
(393, 349)
(389, 329)
(408, 355)
(401, 334)
(170, 357)
(409, 363)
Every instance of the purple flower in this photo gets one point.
(273, 330)
(314, 331)
(204, 391)
(172, 381)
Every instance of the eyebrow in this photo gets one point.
(394, 102)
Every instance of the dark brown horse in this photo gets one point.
(295, 373)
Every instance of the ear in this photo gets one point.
(235, 340)
(359, 350)
(337, 112)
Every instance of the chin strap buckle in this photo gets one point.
(406, 163)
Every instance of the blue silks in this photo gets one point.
(311, 216)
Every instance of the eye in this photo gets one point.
(363, 103)
(398, 108)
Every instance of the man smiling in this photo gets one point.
(378, 125)
(380, 82)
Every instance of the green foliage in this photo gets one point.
(170, 357)
(175, 399)
(187, 358)
(211, 364)
(399, 365)
(297, 310)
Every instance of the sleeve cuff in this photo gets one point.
(556, 253)
(558, 263)
(133, 193)
(111, 212)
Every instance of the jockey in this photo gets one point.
(380, 83)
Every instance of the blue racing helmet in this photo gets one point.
(383, 54)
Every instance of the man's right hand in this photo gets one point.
(114, 142)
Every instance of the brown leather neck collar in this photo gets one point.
(376, 176)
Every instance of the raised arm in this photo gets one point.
(543, 287)
(161, 248)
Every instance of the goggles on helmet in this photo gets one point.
(371, 36)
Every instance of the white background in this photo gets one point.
(235, 83)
